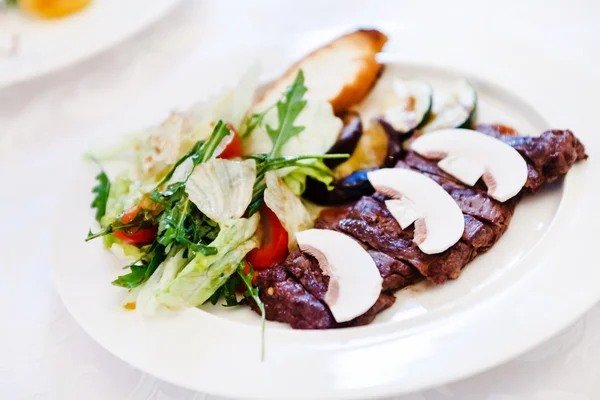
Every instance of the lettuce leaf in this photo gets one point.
(165, 273)
(287, 206)
(124, 194)
(222, 189)
(316, 169)
(203, 275)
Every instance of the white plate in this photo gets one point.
(535, 281)
(47, 45)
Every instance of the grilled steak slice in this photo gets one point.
(414, 161)
(307, 271)
(548, 156)
(370, 222)
(481, 235)
(294, 292)
(286, 300)
(384, 302)
(472, 201)
(396, 274)
(329, 217)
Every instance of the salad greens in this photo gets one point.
(102, 190)
(288, 110)
(254, 121)
(188, 222)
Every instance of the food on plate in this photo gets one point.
(342, 72)
(469, 155)
(350, 271)
(51, 8)
(419, 200)
(219, 202)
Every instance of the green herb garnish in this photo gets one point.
(253, 122)
(179, 221)
(266, 164)
(252, 291)
(288, 110)
(101, 198)
(141, 273)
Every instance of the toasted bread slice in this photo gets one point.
(341, 72)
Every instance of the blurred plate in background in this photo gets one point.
(42, 46)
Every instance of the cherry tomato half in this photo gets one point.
(143, 236)
(128, 216)
(274, 246)
(231, 145)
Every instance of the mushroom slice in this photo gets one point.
(468, 155)
(439, 222)
(354, 280)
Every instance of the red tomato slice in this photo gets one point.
(231, 145)
(143, 236)
(242, 288)
(274, 246)
(129, 215)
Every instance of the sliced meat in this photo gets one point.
(329, 217)
(396, 274)
(370, 222)
(294, 292)
(476, 203)
(479, 234)
(307, 271)
(384, 302)
(548, 156)
(421, 164)
(471, 200)
(286, 300)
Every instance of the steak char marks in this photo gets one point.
(294, 291)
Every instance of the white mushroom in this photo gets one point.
(468, 155)
(355, 282)
(439, 222)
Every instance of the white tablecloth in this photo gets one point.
(44, 355)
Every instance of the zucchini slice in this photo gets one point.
(415, 100)
(456, 109)
(402, 105)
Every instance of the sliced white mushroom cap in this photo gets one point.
(355, 283)
(439, 222)
(468, 155)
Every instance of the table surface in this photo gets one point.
(45, 355)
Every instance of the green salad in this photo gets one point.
(197, 208)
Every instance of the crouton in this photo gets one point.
(341, 72)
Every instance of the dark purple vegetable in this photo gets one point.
(348, 139)
(395, 141)
(351, 188)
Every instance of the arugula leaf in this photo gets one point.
(141, 273)
(253, 122)
(252, 291)
(183, 223)
(102, 189)
(193, 153)
(221, 130)
(10, 3)
(117, 227)
(201, 152)
(288, 110)
(266, 164)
